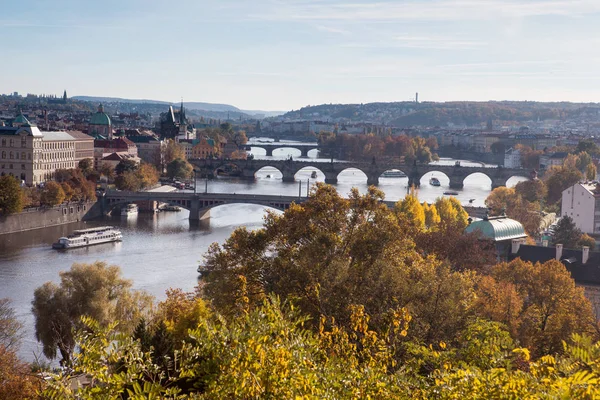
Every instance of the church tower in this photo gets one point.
(182, 123)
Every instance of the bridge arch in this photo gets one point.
(352, 175)
(514, 179)
(439, 175)
(268, 172)
(305, 173)
(478, 179)
(253, 149)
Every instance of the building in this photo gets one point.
(500, 230)
(100, 125)
(581, 202)
(84, 146)
(553, 160)
(149, 148)
(512, 158)
(205, 148)
(114, 159)
(105, 147)
(175, 125)
(33, 156)
(583, 265)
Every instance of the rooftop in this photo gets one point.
(498, 228)
(52, 136)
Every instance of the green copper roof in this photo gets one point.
(498, 229)
(21, 120)
(100, 118)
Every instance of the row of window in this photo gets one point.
(11, 174)
(15, 155)
(10, 166)
(11, 142)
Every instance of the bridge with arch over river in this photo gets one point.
(270, 146)
(247, 169)
(200, 204)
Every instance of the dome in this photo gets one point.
(498, 228)
(100, 118)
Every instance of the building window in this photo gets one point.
(17, 155)
(11, 143)
(22, 166)
(23, 141)
(11, 155)
(3, 142)
(29, 156)
(22, 155)
(3, 155)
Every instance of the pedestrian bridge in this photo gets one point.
(373, 170)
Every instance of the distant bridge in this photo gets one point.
(373, 170)
(200, 204)
(269, 147)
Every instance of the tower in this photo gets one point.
(65, 96)
(417, 97)
(182, 123)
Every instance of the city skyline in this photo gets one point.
(282, 55)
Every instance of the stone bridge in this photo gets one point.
(269, 147)
(199, 204)
(456, 173)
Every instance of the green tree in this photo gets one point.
(86, 166)
(566, 233)
(179, 169)
(107, 171)
(94, 290)
(126, 166)
(148, 175)
(533, 190)
(587, 146)
(52, 194)
(129, 180)
(451, 212)
(11, 196)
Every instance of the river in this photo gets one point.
(160, 251)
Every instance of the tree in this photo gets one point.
(129, 180)
(451, 212)
(501, 199)
(11, 196)
(586, 240)
(10, 328)
(330, 252)
(173, 151)
(126, 166)
(587, 146)
(108, 171)
(148, 175)
(68, 190)
(94, 290)
(566, 233)
(86, 166)
(432, 218)
(52, 194)
(16, 380)
(412, 210)
(558, 179)
(239, 138)
(533, 190)
(553, 307)
(179, 169)
(591, 172)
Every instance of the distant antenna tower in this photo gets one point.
(417, 98)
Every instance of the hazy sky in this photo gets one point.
(285, 54)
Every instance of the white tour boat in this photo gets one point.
(393, 174)
(130, 209)
(89, 237)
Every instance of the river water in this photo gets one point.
(160, 251)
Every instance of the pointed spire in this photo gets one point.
(181, 113)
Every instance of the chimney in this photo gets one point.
(516, 244)
(545, 242)
(559, 248)
(585, 254)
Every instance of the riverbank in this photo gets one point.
(44, 217)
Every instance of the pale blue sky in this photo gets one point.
(285, 54)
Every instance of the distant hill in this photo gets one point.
(192, 105)
(407, 114)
